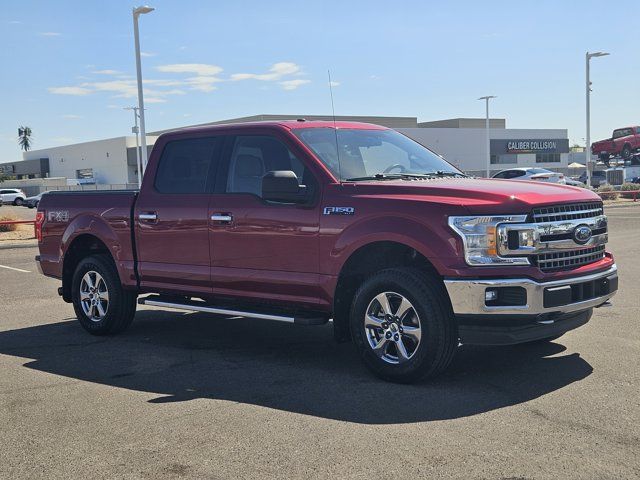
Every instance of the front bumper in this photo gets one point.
(559, 296)
(548, 310)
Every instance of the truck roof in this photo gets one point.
(286, 124)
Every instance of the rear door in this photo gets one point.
(172, 215)
(259, 249)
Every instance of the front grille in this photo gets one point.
(567, 212)
(568, 259)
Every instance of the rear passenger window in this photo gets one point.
(186, 164)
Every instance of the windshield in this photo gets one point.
(372, 154)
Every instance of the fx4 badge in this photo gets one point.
(58, 216)
(339, 211)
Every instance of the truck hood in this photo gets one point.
(478, 195)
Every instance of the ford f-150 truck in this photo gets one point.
(311, 221)
(623, 142)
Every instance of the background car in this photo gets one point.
(574, 183)
(598, 177)
(32, 202)
(531, 173)
(12, 195)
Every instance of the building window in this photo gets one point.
(502, 159)
(547, 158)
(84, 173)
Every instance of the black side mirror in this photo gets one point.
(283, 186)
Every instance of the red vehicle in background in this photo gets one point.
(623, 142)
(306, 222)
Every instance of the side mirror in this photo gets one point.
(283, 186)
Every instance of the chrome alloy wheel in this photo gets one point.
(392, 327)
(94, 296)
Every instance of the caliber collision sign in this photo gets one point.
(560, 145)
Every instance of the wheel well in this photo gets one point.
(81, 247)
(362, 263)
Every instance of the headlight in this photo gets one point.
(479, 237)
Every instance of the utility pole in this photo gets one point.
(488, 141)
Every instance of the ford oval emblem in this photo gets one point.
(582, 234)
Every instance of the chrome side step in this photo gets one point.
(198, 306)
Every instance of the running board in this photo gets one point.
(198, 306)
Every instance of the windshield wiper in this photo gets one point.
(394, 176)
(442, 173)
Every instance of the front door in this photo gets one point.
(171, 215)
(259, 249)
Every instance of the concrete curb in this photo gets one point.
(25, 244)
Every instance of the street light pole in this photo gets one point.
(137, 11)
(587, 150)
(136, 130)
(488, 142)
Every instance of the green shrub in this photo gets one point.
(607, 192)
(627, 187)
(8, 228)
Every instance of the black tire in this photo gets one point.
(18, 201)
(626, 152)
(121, 307)
(604, 157)
(429, 300)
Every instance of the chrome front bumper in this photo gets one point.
(468, 296)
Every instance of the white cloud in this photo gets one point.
(148, 54)
(276, 72)
(50, 34)
(15, 22)
(71, 116)
(106, 72)
(202, 84)
(69, 91)
(113, 106)
(200, 69)
(334, 84)
(154, 100)
(293, 84)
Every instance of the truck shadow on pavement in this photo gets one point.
(179, 357)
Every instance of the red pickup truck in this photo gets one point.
(623, 142)
(309, 221)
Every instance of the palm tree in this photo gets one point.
(24, 138)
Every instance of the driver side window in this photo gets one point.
(253, 156)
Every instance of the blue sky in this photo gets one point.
(68, 67)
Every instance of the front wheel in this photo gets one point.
(403, 325)
(101, 304)
(18, 202)
(626, 152)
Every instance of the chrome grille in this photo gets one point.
(568, 258)
(567, 212)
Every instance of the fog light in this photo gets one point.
(490, 294)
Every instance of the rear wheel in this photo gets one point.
(626, 152)
(18, 202)
(403, 325)
(101, 304)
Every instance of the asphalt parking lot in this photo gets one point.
(202, 396)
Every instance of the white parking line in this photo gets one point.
(16, 269)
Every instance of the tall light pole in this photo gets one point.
(136, 130)
(587, 149)
(488, 144)
(137, 11)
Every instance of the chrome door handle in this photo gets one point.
(148, 217)
(222, 217)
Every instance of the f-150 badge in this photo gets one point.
(339, 211)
